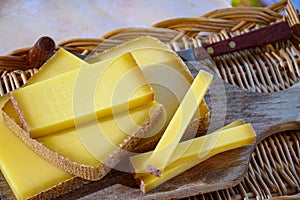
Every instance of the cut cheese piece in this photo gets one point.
(185, 149)
(81, 95)
(112, 138)
(27, 173)
(197, 150)
(67, 143)
(62, 61)
(138, 43)
(149, 182)
(96, 142)
(180, 121)
(170, 86)
(169, 77)
(191, 148)
(64, 141)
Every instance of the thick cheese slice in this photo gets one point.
(195, 151)
(97, 141)
(138, 43)
(170, 87)
(179, 123)
(191, 148)
(62, 61)
(81, 95)
(26, 172)
(167, 74)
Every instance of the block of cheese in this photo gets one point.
(26, 172)
(97, 143)
(179, 123)
(190, 148)
(169, 77)
(90, 150)
(81, 95)
(195, 151)
(62, 61)
(170, 87)
(138, 43)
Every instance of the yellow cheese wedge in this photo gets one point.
(62, 61)
(200, 149)
(138, 43)
(191, 148)
(170, 87)
(167, 74)
(69, 97)
(86, 151)
(93, 143)
(26, 172)
(180, 121)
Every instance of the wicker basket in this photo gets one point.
(274, 169)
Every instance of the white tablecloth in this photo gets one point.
(24, 21)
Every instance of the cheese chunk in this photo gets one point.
(138, 43)
(195, 151)
(62, 61)
(82, 95)
(180, 121)
(25, 171)
(170, 87)
(167, 74)
(95, 142)
(191, 148)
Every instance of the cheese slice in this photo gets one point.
(138, 43)
(167, 74)
(170, 87)
(95, 142)
(121, 125)
(195, 151)
(191, 148)
(81, 95)
(62, 61)
(26, 172)
(180, 121)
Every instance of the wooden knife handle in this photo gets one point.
(40, 52)
(266, 35)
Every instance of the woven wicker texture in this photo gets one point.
(274, 169)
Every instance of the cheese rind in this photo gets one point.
(223, 140)
(180, 121)
(72, 98)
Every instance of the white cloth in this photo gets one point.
(24, 21)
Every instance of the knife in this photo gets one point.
(203, 55)
(262, 36)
